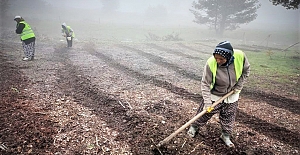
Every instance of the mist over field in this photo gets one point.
(133, 19)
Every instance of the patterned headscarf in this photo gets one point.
(225, 50)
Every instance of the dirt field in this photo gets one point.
(123, 98)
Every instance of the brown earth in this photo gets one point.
(123, 98)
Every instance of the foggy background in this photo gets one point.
(159, 12)
(133, 19)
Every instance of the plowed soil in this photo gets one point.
(124, 98)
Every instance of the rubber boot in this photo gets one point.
(193, 130)
(226, 138)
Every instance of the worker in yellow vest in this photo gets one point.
(225, 71)
(67, 32)
(27, 37)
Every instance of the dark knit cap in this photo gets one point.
(224, 49)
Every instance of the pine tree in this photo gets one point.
(224, 15)
(288, 4)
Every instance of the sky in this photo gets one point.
(271, 16)
(268, 15)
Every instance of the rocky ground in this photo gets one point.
(124, 98)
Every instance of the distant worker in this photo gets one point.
(225, 71)
(27, 37)
(67, 32)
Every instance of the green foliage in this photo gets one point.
(280, 72)
(278, 65)
(226, 14)
(287, 3)
(270, 53)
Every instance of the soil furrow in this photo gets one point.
(171, 51)
(162, 62)
(243, 117)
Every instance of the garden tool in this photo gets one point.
(208, 110)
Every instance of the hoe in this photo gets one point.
(209, 109)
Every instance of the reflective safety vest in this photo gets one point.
(68, 31)
(238, 66)
(27, 31)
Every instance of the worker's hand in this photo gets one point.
(236, 91)
(64, 35)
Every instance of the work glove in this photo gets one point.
(236, 91)
(64, 35)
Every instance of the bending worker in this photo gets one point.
(27, 37)
(225, 71)
(67, 32)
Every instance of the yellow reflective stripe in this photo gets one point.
(238, 63)
(69, 31)
(27, 32)
(238, 66)
(212, 63)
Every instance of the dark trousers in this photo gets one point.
(69, 42)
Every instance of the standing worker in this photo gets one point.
(27, 37)
(67, 32)
(225, 71)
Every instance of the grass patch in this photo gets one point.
(274, 70)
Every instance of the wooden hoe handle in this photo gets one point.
(193, 119)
